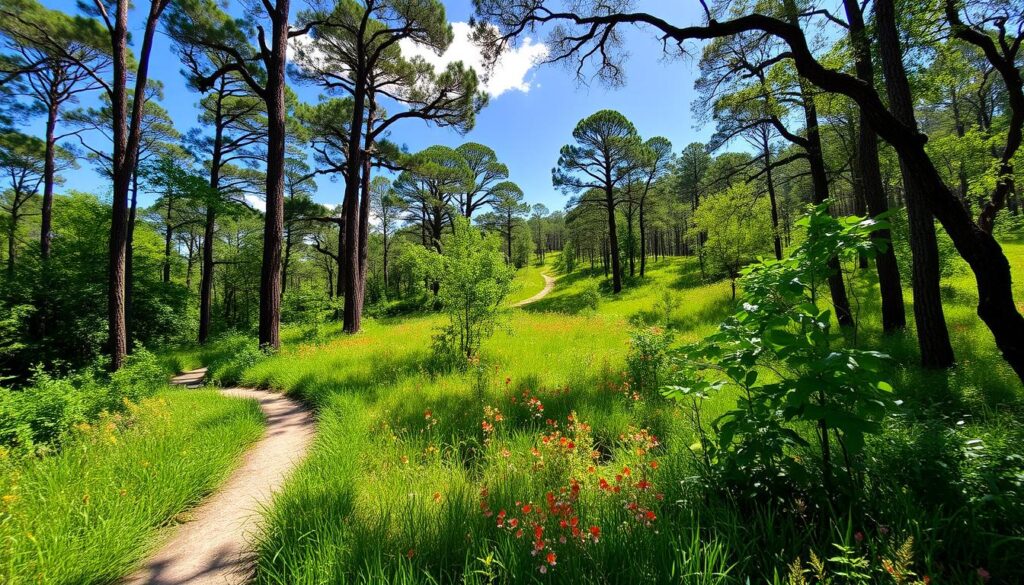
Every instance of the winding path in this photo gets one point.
(549, 285)
(213, 547)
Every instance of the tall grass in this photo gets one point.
(90, 512)
(412, 466)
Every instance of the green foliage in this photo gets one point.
(648, 360)
(566, 261)
(474, 280)
(75, 305)
(522, 246)
(950, 262)
(236, 353)
(91, 512)
(41, 415)
(779, 355)
(738, 229)
(590, 296)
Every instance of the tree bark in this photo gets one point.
(932, 334)
(49, 170)
(643, 239)
(819, 182)
(613, 236)
(210, 228)
(273, 227)
(770, 182)
(206, 281)
(869, 178)
(129, 258)
(125, 159)
(168, 239)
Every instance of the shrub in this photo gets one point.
(41, 414)
(590, 298)
(647, 360)
(473, 280)
(777, 352)
(235, 354)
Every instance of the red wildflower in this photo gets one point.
(653, 464)
(551, 558)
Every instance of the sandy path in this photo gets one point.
(213, 547)
(549, 285)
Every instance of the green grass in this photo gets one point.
(90, 512)
(390, 494)
(529, 280)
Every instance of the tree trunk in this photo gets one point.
(819, 181)
(129, 258)
(350, 204)
(932, 334)
(209, 233)
(613, 238)
(868, 177)
(49, 166)
(342, 278)
(364, 220)
(168, 239)
(643, 240)
(273, 227)
(770, 183)
(125, 159)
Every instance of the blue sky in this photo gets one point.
(525, 128)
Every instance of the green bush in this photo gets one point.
(789, 373)
(41, 414)
(647, 360)
(590, 298)
(235, 354)
(473, 282)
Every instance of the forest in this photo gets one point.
(282, 300)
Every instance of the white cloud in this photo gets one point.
(509, 73)
(256, 203)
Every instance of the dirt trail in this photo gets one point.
(549, 285)
(214, 546)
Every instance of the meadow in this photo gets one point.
(90, 511)
(540, 461)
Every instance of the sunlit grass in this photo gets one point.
(392, 490)
(529, 280)
(89, 513)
